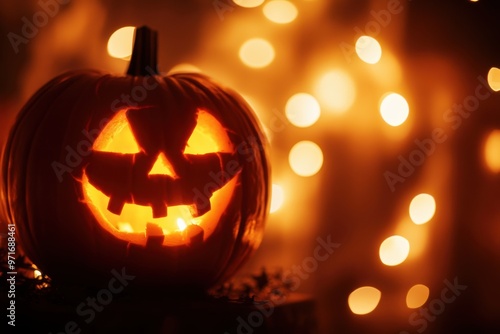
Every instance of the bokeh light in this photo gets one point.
(364, 300)
(248, 3)
(417, 296)
(302, 110)
(120, 43)
(494, 78)
(368, 49)
(277, 198)
(492, 151)
(336, 91)
(394, 250)
(305, 158)
(394, 109)
(422, 208)
(257, 53)
(280, 11)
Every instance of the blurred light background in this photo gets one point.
(384, 134)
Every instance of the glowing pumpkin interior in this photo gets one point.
(134, 222)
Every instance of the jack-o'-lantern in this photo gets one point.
(166, 176)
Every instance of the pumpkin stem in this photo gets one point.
(144, 54)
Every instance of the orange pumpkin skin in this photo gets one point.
(55, 226)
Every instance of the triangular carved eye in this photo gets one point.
(163, 167)
(117, 136)
(202, 140)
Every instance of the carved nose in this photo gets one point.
(162, 166)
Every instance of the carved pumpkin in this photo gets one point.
(165, 175)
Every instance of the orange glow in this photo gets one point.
(117, 136)
(336, 91)
(181, 224)
(208, 136)
(278, 198)
(125, 227)
(417, 236)
(184, 68)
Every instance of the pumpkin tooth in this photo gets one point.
(159, 210)
(115, 205)
(194, 235)
(154, 235)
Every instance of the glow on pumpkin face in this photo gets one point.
(208, 138)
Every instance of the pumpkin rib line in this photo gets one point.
(20, 118)
(19, 133)
(49, 112)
